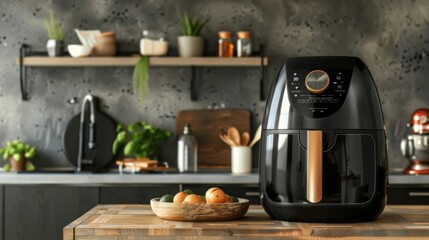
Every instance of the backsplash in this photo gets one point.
(391, 37)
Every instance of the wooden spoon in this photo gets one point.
(234, 135)
(245, 138)
(257, 136)
(227, 140)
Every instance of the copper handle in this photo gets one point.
(314, 166)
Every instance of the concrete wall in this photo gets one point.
(390, 36)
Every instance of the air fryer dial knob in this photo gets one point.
(317, 81)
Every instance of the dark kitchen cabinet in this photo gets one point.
(134, 195)
(250, 192)
(41, 212)
(1, 212)
(408, 194)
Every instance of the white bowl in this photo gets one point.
(76, 50)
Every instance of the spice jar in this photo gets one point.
(244, 44)
(226, 47)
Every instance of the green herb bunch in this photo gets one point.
(17, 151)
(141, 76)
(140, 141)
(191, 27)
(53, 27)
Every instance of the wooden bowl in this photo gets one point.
(200, 212)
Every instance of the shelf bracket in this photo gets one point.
(194, 96)
(23, 72)
(262, 81)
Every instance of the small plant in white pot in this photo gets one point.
(191, 44)
(55, 44)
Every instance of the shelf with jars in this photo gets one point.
(40, 59)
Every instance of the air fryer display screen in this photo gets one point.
(318, 93)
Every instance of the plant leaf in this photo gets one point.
(53, 28)
(141, 76)
(17, 157)
(115, 146)
(6, 167)
(6, 154)
(30, 153)
(29, 166)
(119, 127)
(197, 28)
(121, 136)
(129, 148)
(134, 127)
(188, 25)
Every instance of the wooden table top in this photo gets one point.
(139, 222)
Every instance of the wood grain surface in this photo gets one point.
(41, 61)
(139, 222)
(205, 126)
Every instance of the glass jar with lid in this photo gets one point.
(153, 43)
(244, 44)
(225, 45)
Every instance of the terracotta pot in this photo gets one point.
(105, 44)
(190, 46)
(17, 166)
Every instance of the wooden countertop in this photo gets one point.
(138, 222)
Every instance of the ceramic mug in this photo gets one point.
(241, 159)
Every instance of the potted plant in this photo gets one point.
(140, 139)
(190, 43)
(55, 44)
(19, 154)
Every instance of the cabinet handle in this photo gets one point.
(252, 194)
(419, 194)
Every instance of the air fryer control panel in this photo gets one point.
(318, 93)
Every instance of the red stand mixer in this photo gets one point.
(415, 146)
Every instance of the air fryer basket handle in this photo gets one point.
(314, 166)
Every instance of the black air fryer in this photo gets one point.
(323, 150)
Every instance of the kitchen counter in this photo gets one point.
(114, 178)
(138, 221)
(89, 179)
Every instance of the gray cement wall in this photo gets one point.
(390, 36)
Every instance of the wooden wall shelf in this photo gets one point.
(38, 61)
(29, 59)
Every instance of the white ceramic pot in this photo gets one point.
(190, 46)
(241, 159)
(55, 48)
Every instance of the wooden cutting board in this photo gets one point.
(135, 221)
(206, 126)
